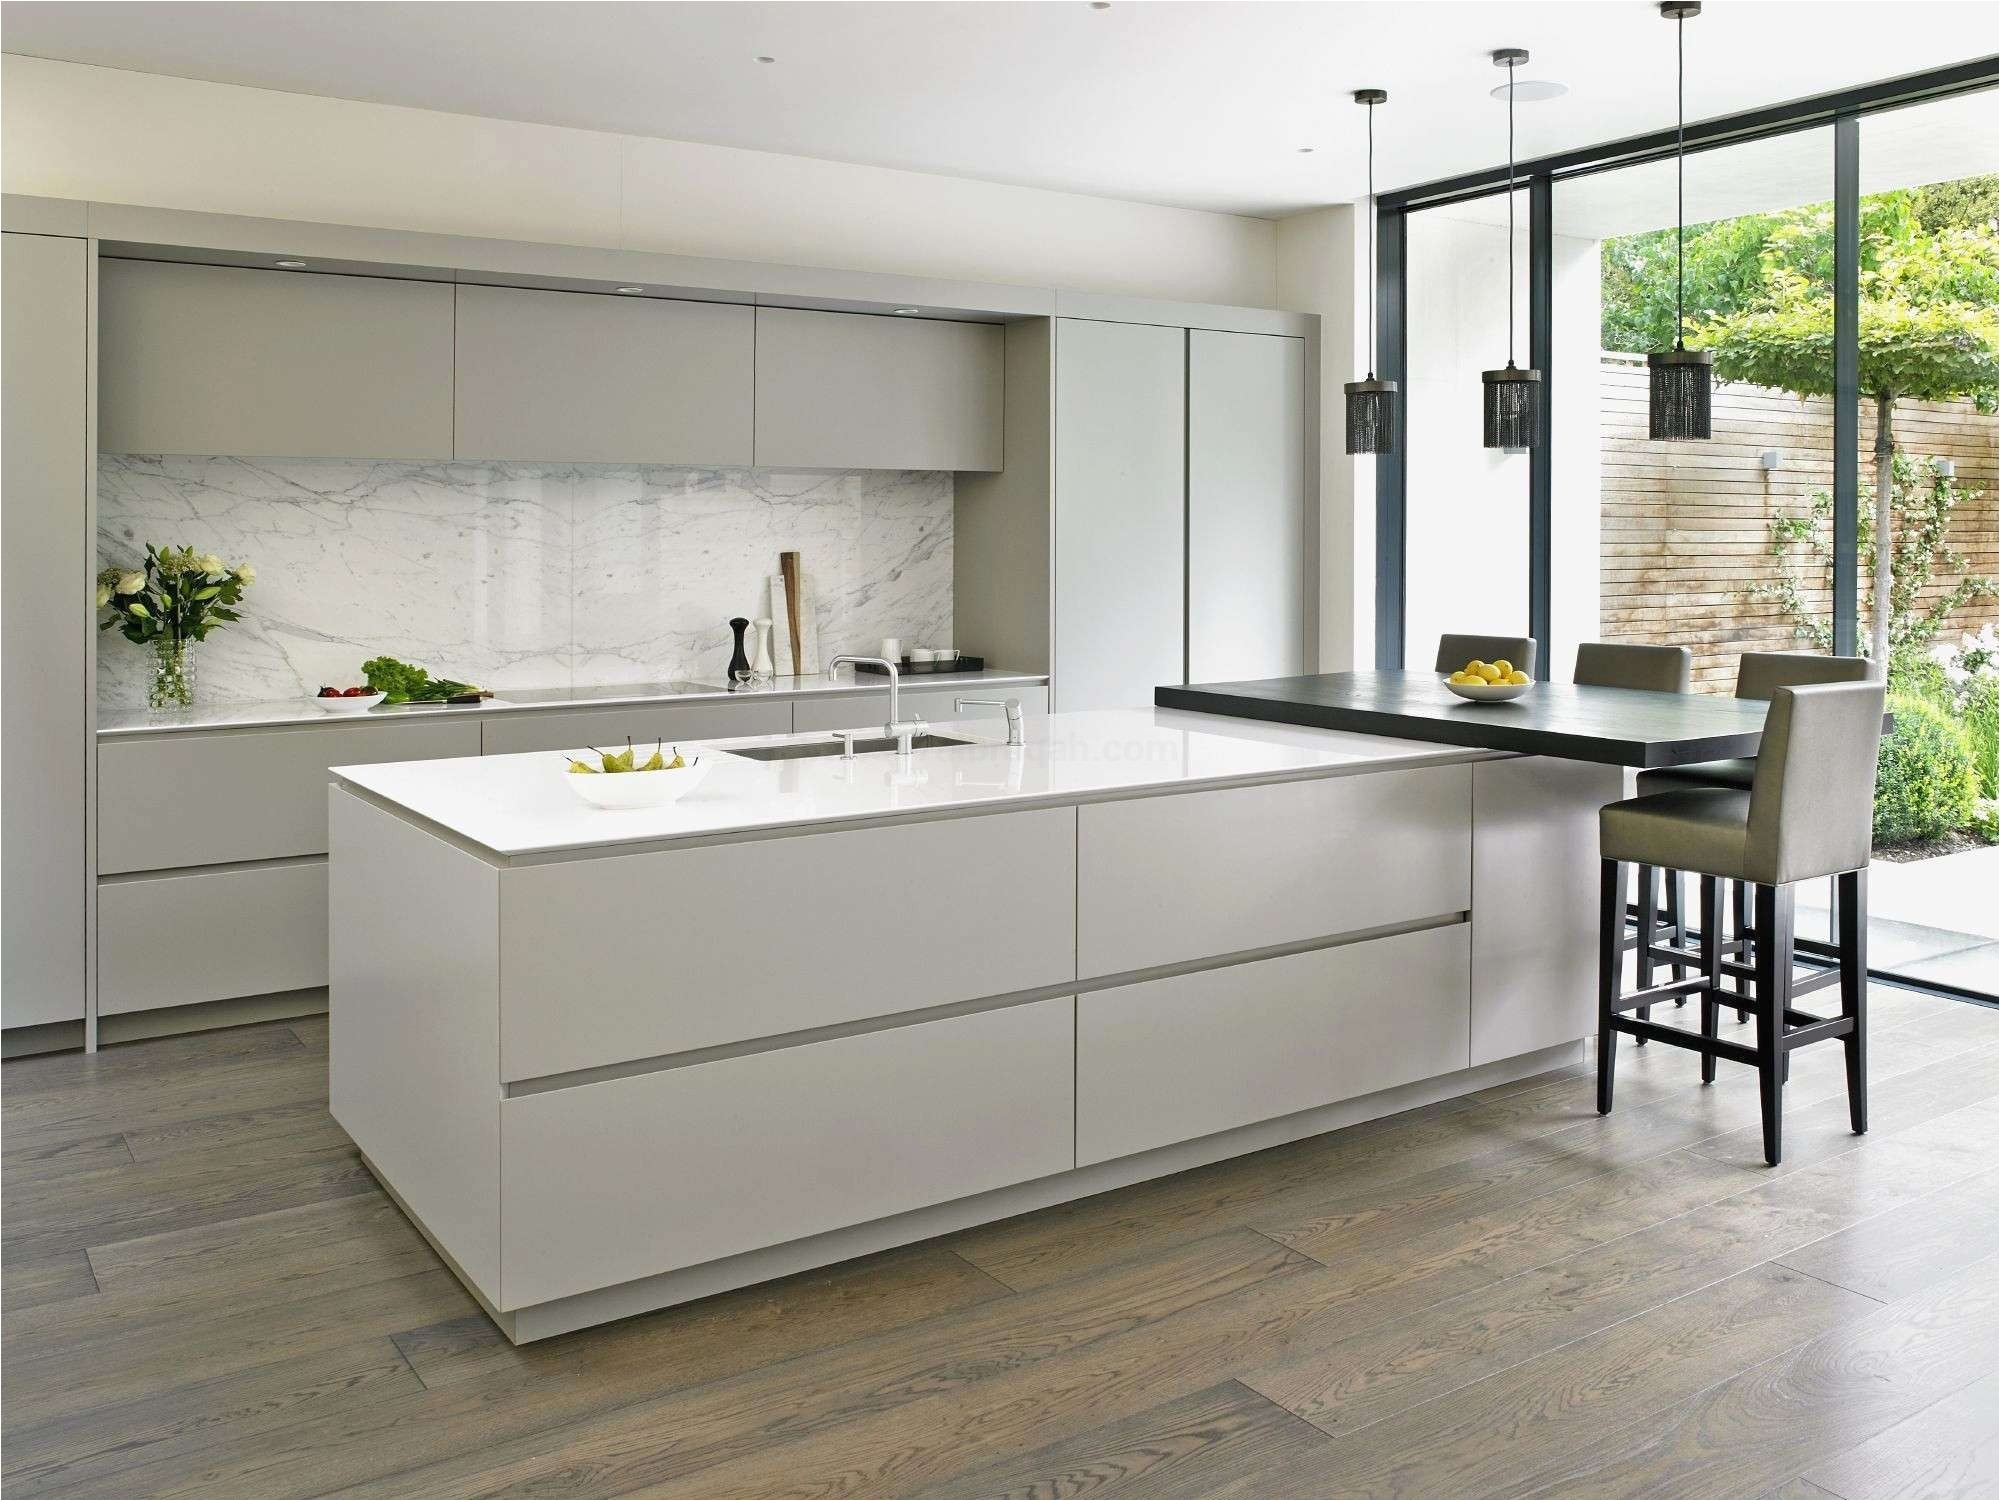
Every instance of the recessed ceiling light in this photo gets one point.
(763, 59)
(908, 310)
(1532, 90)
(291, 265)
(1100, 4)
(631, 289)
(1305, 151)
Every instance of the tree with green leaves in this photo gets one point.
(1760, 294)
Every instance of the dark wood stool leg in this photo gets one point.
(1610, 969)
(1854, 991)
(1649, 913)
(1711, 968)
(1739, 899)
(1677, 924)
(1774, 994)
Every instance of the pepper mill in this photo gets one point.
(739, 664)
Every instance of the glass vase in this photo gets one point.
(173, 675)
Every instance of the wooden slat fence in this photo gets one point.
(1685, 528)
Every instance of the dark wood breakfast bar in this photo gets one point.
(1608, 726)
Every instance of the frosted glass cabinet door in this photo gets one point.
(582, 377)
(273, 364)
(1120, 509)
(1249, 568)
(45, 591)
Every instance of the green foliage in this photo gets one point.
(177, 594)
(1925, 783)
(406, 684)
(1760, 294)
(1921, 503)
(1979, 714)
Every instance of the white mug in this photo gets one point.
(922, 654)
(891, 649)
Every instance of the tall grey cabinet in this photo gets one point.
(1120, 512)
(1249, 539)
(45, 567)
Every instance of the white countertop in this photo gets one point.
(518, 805)
(303, 711)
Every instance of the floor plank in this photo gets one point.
(206, 1295)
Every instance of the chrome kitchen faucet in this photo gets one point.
(903, 734)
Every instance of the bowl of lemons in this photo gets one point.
(1489, 682)
(620, 779)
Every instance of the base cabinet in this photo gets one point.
(1169, 1060)
(870, 711)
(210, 935)
(604, 1183)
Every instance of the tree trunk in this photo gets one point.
(1885, 473)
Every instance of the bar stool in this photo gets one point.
(1806, 816)
(1455, 651)
(1655, 669)
(1759, 674)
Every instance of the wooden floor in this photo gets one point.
(206, 1295)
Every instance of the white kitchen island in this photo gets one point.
(609, 1061)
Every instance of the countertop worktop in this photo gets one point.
(300, 711)
(515, 806)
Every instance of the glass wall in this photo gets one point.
(1467, 519)
(1930, 321)
(1721, 546)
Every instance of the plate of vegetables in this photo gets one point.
(620, 779)
(356, 700)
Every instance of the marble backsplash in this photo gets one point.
(519, 575)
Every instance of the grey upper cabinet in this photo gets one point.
(1120, 512)
(274, 364)
(864, 391)
(1249, 562)
(44, 595)
(589, 378)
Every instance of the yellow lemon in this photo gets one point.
(1474, 666)
(1517, 677)
(1456, 677)
(1491, 673)
(1504, 665)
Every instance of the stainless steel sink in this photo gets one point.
(864, 745)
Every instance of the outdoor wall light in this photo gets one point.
(1769, 461)
(1946, 468)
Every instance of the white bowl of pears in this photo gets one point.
(625, 780)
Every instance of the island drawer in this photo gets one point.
(1197, 875)
(1170, 1060)
(630, 957)
(210, 935)
(518, 730)
(603, 1183)
(217, 796)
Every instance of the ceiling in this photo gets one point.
(1197, 104)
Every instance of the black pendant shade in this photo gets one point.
(1678, 390)
(1677, 393)
(1513, 407)
(1513, 396)
(1371, 416)
(1371, 403)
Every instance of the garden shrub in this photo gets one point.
(1980, 717)
(1926, 785)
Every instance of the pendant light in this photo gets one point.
(1678, 380)
(1371, 403)
(1513, 395)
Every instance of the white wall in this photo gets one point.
(73, 131)
(1320, 266)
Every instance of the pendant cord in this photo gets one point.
(1680, 181)
(1372, 269)
(1510, 212)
